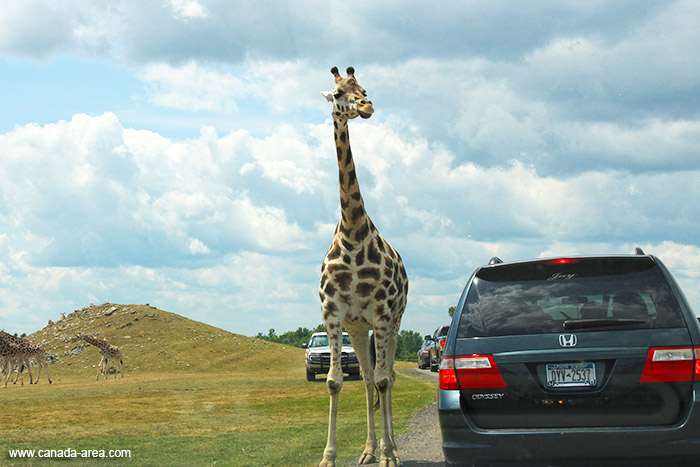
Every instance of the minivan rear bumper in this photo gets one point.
(465, 443)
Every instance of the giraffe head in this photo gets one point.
(349, 98)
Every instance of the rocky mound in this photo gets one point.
(154, 340)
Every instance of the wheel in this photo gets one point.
(433, 368)
(310, 376)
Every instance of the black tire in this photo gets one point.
(310, 376)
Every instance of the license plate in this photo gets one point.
(570, 375)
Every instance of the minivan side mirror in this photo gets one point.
(304, 345)
(429, 338)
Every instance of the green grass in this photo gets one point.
(246, 403)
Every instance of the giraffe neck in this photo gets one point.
(354, 217)
(95, 342)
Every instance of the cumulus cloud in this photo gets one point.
(88, 200)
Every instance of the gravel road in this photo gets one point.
(422, 444)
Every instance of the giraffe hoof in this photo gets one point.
(326, 463)
(390, 462)
(367, 458)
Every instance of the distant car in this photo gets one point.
(439, 339)
(424, 353)
(589, 361)
(318, 356)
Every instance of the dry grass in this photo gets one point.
(192, 395)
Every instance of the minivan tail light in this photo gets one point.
(666, 365)
(470, 372)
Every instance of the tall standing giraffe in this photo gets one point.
(108, 352)
(27, 350)
(363, 287)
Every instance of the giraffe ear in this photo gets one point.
(328, 95)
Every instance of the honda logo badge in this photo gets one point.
(568, 340)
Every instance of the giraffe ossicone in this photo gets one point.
(363, 287)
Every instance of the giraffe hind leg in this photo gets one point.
(361, 343)
(46, 367)
(384, 377)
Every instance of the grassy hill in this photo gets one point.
(192, 394)
(154, 340)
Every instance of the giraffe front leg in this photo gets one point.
(334, 380)
(99, 368)
(8, 370)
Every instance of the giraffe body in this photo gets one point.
(363, 287)
(108, 352)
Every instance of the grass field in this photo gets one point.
(192, 395)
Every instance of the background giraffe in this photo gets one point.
(363, 286)
(108, 352)
(26, 350)
(9, 353)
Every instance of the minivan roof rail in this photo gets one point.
(638, 251)
(495, 260)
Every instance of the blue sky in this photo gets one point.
(179, 153)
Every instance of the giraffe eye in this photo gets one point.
(338, 94)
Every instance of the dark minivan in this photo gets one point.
(569, 361)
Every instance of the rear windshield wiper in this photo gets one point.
(599, 323)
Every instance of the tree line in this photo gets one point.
(409, 342)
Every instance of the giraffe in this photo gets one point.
(9, 353)
(363, 287)
(26, 350)
(107, 351)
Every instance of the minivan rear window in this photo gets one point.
(540, 297)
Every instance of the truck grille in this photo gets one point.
(325, 359)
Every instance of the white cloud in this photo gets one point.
(193, 88)
(98, 212)
(575, 136)
(187, 9)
